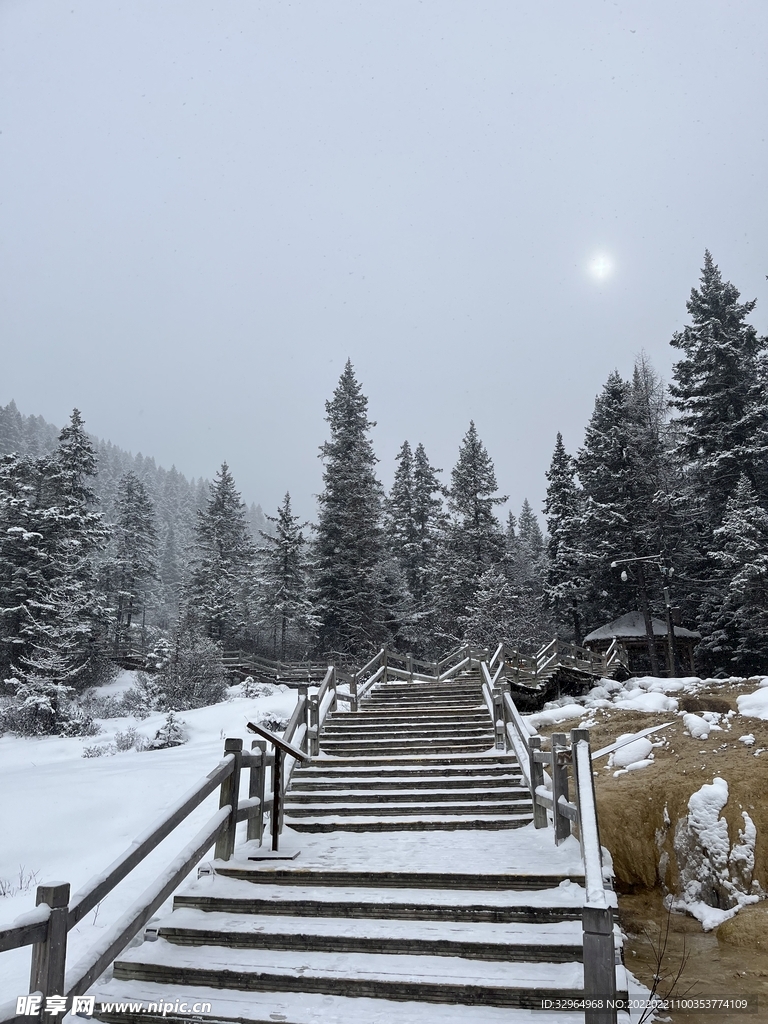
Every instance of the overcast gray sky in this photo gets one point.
(206, 207)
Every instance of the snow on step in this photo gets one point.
(567, 894)
(241, 968)
(490, 941)
(314, 1008)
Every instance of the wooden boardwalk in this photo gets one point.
(426, 868)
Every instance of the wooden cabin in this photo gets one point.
(629, 630)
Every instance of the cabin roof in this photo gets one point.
(632, 626)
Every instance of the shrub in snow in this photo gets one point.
(44, 708)
(250, 688)
(271, 721)
(142, 698)
(193, 675)
(172, 733)
(99, 750)
(131, 739)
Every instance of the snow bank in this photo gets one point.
(555, 715)
(714, 877)
(68, 817)
(637, 750)
(755, 705)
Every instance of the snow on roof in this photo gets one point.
(633, 625)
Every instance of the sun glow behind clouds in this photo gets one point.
(600, 266)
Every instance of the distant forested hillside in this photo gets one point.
(175, 498)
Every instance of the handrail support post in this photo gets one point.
(49, 956)
(230, 789)
(256, 789)
(536, 775)
(561, 824)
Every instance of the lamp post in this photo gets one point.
(658, 561)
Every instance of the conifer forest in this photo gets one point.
(106, 556)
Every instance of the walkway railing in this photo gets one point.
(546, 776)
(46, 928)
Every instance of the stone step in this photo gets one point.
(337, 806)
(384, 976)
(298, 1008)
(422, 823)
(556, 942)
(398, 703)
(406, 796)
(394, 717)
(515, 881)
(420, 689)
(347, 749)
(483, 760)
(405, 732)
(420, 783)
(516, 899)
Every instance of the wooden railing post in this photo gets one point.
(49, 957)
(384, 677)
(353, 692)
(498, 719)
(276, 820)
(257, 789)
(230, 789)
(536, 775)
(559, 785)
(334, 704)
(409, 666)
(314, 727)
(599, 964)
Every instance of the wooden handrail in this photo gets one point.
(93, 892)
(278, 741)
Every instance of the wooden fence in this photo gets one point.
(45, 929)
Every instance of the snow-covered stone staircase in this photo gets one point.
(415, 756)
(413, 901)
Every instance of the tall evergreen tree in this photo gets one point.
(348, 544)
(131, 569)
(54, 625)
(719, 391)
(284, 583)
(735, 614)
(474, 541)
(563, 584)
(221, 577)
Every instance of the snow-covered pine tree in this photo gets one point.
(221, 576)
(349, 530)
(494, 614)
(24, 560)
(60, 620)
(283, 583)
(529, 532)
(606, 530)
(528, 622)
(131, 569)
(719, 390)
(563, 584)
(735, 615)
(399, 513)
(474, 541)
(429, 522)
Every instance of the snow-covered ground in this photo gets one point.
(65, 817)
(709, 859)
